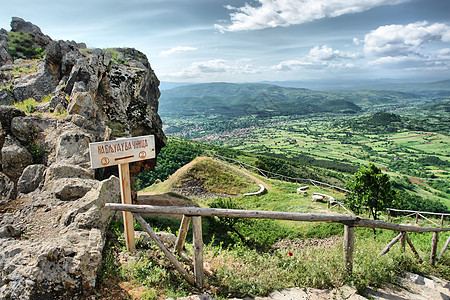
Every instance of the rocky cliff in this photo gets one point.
(52, 221)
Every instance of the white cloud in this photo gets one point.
(215, 67)
(291, 64)
(357, 41)
(326, 53)
(177, 49)
(275, 13)
(398, 40)
(436, 60)
(317, 58)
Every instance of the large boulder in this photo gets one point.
(15, 158)
(7, 113)
(60, 258)
(36, 85)
(7, 189)
(69, 189)
(31, 178)
(60, 170)
(28, 128)
(19, 24)
(73, 147)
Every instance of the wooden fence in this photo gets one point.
(195, 214)
(416, 214)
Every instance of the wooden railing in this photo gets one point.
(416, 214)
(195, 213)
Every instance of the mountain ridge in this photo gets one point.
(233, 99)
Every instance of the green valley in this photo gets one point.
(404, 133)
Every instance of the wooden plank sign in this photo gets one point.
(121, 152)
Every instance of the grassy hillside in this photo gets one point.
(242, 255)
(209, 175)
(179, 152)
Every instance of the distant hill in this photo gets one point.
(232, 99)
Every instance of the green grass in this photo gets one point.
(238, 270)
(213, 175)
(244, 254)
(27, 105)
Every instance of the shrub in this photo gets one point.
(21, 45)
(28, 105)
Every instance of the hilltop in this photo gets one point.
(206, 178)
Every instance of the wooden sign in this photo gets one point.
(121, 152)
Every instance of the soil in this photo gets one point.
(299, 244)
(417, 181)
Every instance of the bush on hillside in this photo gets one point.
(21, 45)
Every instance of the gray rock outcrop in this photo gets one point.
(52, 216)
(60, 255)
(19, 24)
(32, 176)
(7, 189)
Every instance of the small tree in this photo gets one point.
(370, 188)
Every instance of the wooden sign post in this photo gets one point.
(121, 152)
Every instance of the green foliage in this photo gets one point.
(28, 105)
(405, 200)
(370, 188)
(22, 45)
(46, 98)
(117, 57)
(430, 160)
(38, 152)
(173, 156)
(8, 87)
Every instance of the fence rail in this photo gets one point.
(195, 213)
(416, 214)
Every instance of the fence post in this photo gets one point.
(412, 248)
(434, 242)
(164, 249)
(349, 243)
(444, 248)
(125, 193)
(389, 214)
(182, 233)
(403, 241)
(198, 250)
(417, 217)
(442, 221)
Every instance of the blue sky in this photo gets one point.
(256, 40)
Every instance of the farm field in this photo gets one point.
(416, 158)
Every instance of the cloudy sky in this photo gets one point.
(256, 40)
